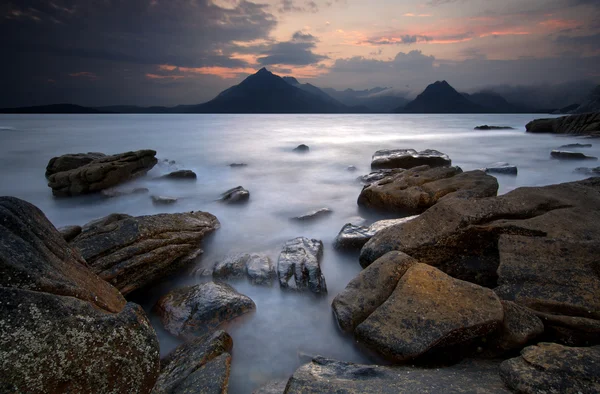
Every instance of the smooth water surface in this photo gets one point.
(282, 184)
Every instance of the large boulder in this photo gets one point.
(62, 328)
(419, 188)
(102, 173)
(553, 368)
(71, 161)
(131, 252)
(299, 267)
(199, 366)
(197, 310)
(408, 158)
(430, 311)
(355, 237)
(575, 124)
(329, 376)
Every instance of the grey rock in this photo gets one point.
(69, 232)
(501, 168)
(566, 155)
(576, 146)
(231, 266)
(313, 215)
(260, 269)
(180, 175)
(377, 176)
(114, 192)
(237, 165)
(355, 237)
(298, 266)
(163, 200)
(584, 124)
(588, 171)
(486, 127)
(70, 162)
(301, 148)
(408, 158)
(257, 267)
(235, 196)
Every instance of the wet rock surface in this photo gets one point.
(519, 327)
(588, 171)
(408, 158)
(354, 237)
(273, 387)
(313, 215)
(237, 195)
(257, 267)
(193, 311)
(181, 175)
(71, 161)
(575, 124)
(299, 266)
(501, 168)
(566, 155)
(131, 252)
(102, 173)
(377, 175)
(69, 232)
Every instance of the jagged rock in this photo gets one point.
(501, 168)
(486, 127)
(575, 124)
(313, 215)
(163, 200)
(62, 328)
(69, 232)
(131, 252)
(519, 327)
(180, 175)
(259, 268)
(301, 148)
(231, 266)
(199, 366)
(330, 376)
(355, 237)
(102, 173)
(553, 368)
(419, 188)
(576, 146)
(427, 312)
(114, 192)
(70, 162)
(298, 267)
(588, 171)
(565, 155)
(235, 195)
(408, 158)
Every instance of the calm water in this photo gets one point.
(282, 184)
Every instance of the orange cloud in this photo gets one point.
(504, 33)
(560, 24)
(157, 76)
(410, 14)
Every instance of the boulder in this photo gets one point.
(519, 327)
(197, 310)
(180, 175)
(131, 252)
(419, 188)
(313, 215)
(231, 266)
(199, 366)
(71, 161)
(69, 232)
(329, 376)
(588, 171)
(576, 146)
(377, 176)
(486, 127)
(354, 237)
(62, 328)
(584, 124)
(163, 200)
(235, 196)
(257, 267)
(501, 168)
(298, 266)
(301, 148)
(566, 155)
(429, 312)
(408, 158)
(553, 368)
(102, 173)
(114, 192)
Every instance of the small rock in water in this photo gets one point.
(69, 232)
(408, 158)
(577, 146)
(180, 174)
(113, 192)
(236, 165)
(486, 127)
(298, 267)
(566, 155)
(501, 168)
(163, 200)
(588, 171)
(235, 195)
(351, 168)
(301, 148)
(314, 214)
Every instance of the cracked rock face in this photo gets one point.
(408, 158)
(71, 161)
(299, 266)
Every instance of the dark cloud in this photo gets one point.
(584, 42)
(295, 6)
(297, 52)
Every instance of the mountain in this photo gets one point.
(379, 100)
(134, 109)
(495, 103)
(265, 92)
(591, 104)
(441, 98)
(52, 109)
(307, 87)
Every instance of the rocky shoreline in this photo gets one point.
(478, 293)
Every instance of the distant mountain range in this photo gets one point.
(265, 92)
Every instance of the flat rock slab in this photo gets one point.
(71, 161)
(313, 215)
(501, 168)
(418, 189)
(566, 155)
(131, 252)
(553, 368)
(193, 311)
(408, 158)
(355, 237)
(102, 173)
(237, 195)
(427, 311)
(329, 376)
(299, 267)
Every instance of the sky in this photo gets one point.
(169, 52)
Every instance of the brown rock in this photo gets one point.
(520, 327)
(408, 158)
(71, 161)
(69, 232)
(575, 124)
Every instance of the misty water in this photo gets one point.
(282, 184)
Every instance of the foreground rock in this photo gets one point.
(377, 176)
(501, 168)
(193, 311)
(552, 368)
(420, 188)
(131, 252)
(355, 237)
(257, 267)
(408, 158)
(180, 175)
(313, 215)
(102, 173)
(486, 127)
(69, 232)
(329, 376)
(566, 155)
(71, 161)
(299, 267)
(575, 124)
(588, 171)
(519, 327)
(62, 328)
(235, 196)
(200, 366)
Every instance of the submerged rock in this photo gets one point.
(588, 171)
(486, 127)
(237, 165)
(70, 162)
(235, 196)
(566, 155)
(163, 200)
(301, 148)
(114, 192)
(501, 168)
(355, 237)
(193, 311)
(102, 173)
(408, 158)
(576, 146)
(180, 175)
(576, 124)
(351, 168)
(313, 215)
(298, 267)
(69, 232)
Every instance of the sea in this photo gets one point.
(270, 343)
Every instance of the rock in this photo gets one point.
(355, 237)
(231, 267)
(260, 269)
(428, 312)
(501, 168)
(418, 189)
(69, 232)
(576, 146)
(408, 158)
(235, 195)
(197, 310)
(273, 387)
(552, 368)
(163, 200)
(566, 155)
(298, 267)
(71, 161)
(584, 124)
(102, 173)
(199, 366)
(237, 165)
(131, 252)
(520, 327)
(62, 328)
(486, 127)
(377, 175)
(371, 288)
(351, 168)
(114, 192)
(313, 215)
(330, 376)
(588, 171)
(180, 175)
(301, 148)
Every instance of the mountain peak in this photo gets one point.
(263, 71)
(291, 80)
